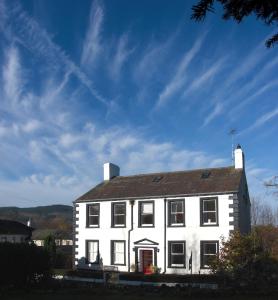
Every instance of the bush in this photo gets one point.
(246, 261)
(23, 264)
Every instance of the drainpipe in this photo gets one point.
(165, 228)
(131, 202)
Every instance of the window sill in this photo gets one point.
(209, 225)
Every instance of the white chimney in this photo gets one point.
(110, 170)
(29, 223)
(239, 158)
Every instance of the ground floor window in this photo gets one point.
(92, 253)
(209, 249)
(176, 254)
(117, 252)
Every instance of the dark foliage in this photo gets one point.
(264, 10)
(50, 248)
(22, 264)
(248, 260)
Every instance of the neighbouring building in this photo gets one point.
(62, 238)
(14, 232)
(173, 221)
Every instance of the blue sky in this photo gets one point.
(136, 83)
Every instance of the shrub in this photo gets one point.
(23, 264)
(245, 260)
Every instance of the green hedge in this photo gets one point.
(23, 264)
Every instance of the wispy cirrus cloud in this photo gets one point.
(217, 110)
(92, 44)
(123, 51)
(179, 78)
(202, 80)
(12, 76)
(261, 120)
(26, 31)
(233, 87)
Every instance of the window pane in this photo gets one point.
(93, 220)
(177, 248)
(94, 209)
(178, 259)
(119, 258)
(147, 208)
(177, 218)
(209, 217)
(119, 208)
(147, 219)
(209, 205)
(177, 206)
(119, 220)
(210, 248)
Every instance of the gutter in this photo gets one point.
(154, 197)
(129, 231)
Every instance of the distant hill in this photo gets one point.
(52, 218)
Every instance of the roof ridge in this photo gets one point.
(171, 172)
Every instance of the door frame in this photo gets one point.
(138, 261)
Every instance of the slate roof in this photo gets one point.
(13, 227)
(219, 180)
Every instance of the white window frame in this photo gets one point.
(171, 253)
(95, 253)
(114, 253)
(203, 254)
(93, 215)
(114, 214)
(141, 214)
(172, 201)
(215, 211)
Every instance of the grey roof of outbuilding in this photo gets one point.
(13, 227)
(220, 180)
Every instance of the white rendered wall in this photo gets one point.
(192, 233)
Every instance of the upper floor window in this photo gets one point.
(117, 252)
(92, 252)
(93, 215)
(209, 249)
(119, 214)
(209, 211)
(146, 214)
(176, 213)
(176, 252)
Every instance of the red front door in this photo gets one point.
(146, 260)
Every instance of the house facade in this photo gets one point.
(171, 222)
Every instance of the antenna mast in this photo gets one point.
(232, 133)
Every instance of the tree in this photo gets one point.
(264, 10)
(50, 247)
(249, 259)
(273, 184)
(262, 213)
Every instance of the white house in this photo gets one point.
(173, 221)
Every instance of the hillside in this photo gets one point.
(52, 218)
